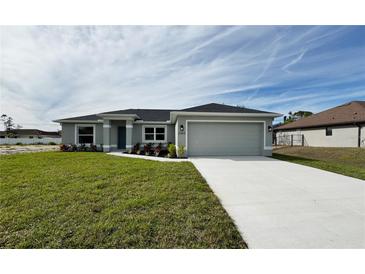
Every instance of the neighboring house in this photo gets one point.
(212, 129)
(341, 126)
(30, 133)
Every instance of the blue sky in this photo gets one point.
(53, 72)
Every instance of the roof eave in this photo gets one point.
(322, 125)
(77, 121)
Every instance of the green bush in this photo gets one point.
(52, 143)
(181, 151)
(172, 150)
(19, 144)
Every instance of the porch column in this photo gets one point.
(106, 135)
(129, 132)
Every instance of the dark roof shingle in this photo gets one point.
(91, 117)
(213, 107)
(160, 115)
(145, 114)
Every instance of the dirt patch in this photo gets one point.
(12, 149)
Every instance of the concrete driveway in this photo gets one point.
(277, 204)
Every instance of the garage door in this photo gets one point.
(224, 139)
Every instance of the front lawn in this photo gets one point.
(346, 161)
(94, 200)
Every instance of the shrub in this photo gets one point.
(172, 151)
(63, 147)
(93, 148)
(82, 147)
(52, 143)
(158, 150)
(135, 148)
(181, 151)
(147, 149)
(19, 144)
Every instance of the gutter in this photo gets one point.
(77, 121)
(359, 126)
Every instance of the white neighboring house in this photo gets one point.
(341, 126)
(30, 136)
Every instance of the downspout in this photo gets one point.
(359, 135)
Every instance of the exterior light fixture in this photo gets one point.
(181, 128)
(269, 128)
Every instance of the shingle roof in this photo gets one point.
(164, 114)
(213, 107)
(145, 114)
(350, 113)
(91, 117)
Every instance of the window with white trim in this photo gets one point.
(85, 134)
(154, 134)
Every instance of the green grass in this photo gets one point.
(94, 200)
(346, 161)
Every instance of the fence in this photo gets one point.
(289, 140)
(29, 141)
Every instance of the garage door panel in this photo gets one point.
(219, 139)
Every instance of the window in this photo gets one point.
(154, 134)
(149, 133)
(160, 134)
(328, 131)
(85, 134)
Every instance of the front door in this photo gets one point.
(121, 137)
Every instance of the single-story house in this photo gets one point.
(30, 133)
(341, 126)
(211, 129)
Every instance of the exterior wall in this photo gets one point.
(68, 133)
(137, 133)
(342, 136)
(99, 134)
(13, 141)
(362, 140)
(181, 120)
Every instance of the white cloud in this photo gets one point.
(53, 72)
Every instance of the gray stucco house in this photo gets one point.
(211, 129)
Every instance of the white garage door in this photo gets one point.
(224, 139)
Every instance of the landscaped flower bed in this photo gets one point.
(81, 148)
(158, 150)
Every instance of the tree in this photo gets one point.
(296, 116)
(8, 124)
(302, 114)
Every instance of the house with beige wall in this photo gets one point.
(341, 126)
